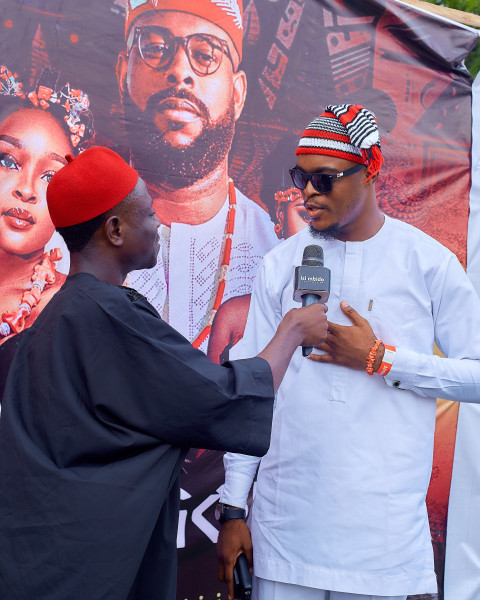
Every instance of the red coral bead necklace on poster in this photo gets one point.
(223, 270)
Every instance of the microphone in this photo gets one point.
(311, 282)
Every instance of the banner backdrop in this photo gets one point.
(297, 56)
(462, 581)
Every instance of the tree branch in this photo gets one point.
(450, 13)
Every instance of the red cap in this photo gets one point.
(89, 185)
(226, 15)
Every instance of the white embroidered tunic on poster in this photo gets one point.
(182, 285)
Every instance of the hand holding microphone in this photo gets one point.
(311, 281)
(307, 326)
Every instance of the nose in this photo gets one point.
(180, 70)
(26, 191)
(310, 191)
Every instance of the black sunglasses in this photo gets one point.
(158, 47)
(322, 182)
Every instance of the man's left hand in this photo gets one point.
(349, 346)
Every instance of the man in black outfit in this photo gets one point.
(102, 401)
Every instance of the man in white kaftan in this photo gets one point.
(339, 506)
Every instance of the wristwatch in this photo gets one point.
(224, 512)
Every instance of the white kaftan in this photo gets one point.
(340, 497)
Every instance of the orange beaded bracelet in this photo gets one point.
(371, 356)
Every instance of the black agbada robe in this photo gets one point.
(102, 400)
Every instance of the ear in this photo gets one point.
(372, 179)
(239, 92)
(113, 230)
(121, 70)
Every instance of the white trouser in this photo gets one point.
(263, 589)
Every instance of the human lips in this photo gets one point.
(178, 109)
(19, 218)
(315, 209)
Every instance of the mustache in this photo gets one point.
(313, 202)
(182, 94)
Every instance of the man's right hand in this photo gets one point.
(234, 539)
(305, 326)
(309, 324)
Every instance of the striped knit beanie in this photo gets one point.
(345, 131)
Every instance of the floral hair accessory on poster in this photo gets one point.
(293, 194)
(78, 119)
(345, 131)
(9, 84)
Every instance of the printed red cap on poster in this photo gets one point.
(226, 15)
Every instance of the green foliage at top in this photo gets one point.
(471, 6)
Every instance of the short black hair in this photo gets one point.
(77, 236)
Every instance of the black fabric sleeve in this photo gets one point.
(7, 352)
(140, 374)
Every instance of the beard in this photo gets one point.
(158, 161)
(329, 233)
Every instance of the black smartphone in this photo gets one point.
(242, 580)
